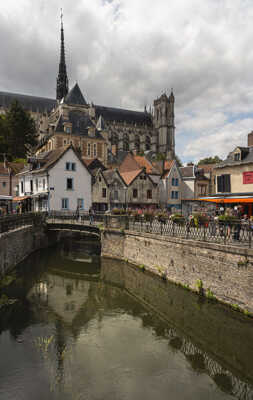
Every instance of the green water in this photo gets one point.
(91, 328)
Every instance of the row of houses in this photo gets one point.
(62, 179)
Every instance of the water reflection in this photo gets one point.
(107, 330)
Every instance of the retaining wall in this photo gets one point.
(226, 270)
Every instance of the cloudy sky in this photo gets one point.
(125, 53)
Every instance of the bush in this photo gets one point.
(162, 216)
(200, 219)
(118, 211)
(178, 219)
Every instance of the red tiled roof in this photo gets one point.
(144, 163)
(129, 176)
(129, 164)
(88, 161)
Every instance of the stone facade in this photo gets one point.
(225, 270)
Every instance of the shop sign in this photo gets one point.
(247, 177)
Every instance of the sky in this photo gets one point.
(126, 53)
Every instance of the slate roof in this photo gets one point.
(49, 158)
(75, 97)
(15, 168)
(80, 123)
(187, 172)
(29, 103)
(121, 115)
(247, 153)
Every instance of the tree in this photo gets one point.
(179, 162)
(210, 160)
(3, 135)
(21, 131)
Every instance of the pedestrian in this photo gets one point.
(91, 215)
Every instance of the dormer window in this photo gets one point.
(237, 156)
(67, 129)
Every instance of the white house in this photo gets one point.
(56, 180)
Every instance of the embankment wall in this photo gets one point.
(227, 271)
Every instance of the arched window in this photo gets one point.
(137, 143)
(148, 143)
(125, 142)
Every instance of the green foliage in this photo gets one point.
(179, 162)
(19, 132)
(7, 280)
(142, 267)
(178, 219)
(210, 295)
(199, 285)
(210, 160)
(162, 216)
(160, 156)
(227, 218)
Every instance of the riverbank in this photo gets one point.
(219, 272)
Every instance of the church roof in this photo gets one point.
(75, 97)
(121, 115)
(80, 123)
(29, 103)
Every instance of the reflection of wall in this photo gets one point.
(224, 334)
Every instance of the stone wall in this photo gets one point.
(16, 245)
(226, 270)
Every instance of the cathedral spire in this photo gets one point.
(62, 79)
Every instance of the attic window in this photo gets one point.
(237, 156)
(68, 129)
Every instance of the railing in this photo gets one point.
(217, 232)
(12, 222)
(232, 233)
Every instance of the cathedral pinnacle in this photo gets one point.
(62, 79)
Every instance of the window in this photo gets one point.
(223, 183)
(174, 194)
(68, 129)
(116, 195)
(73, 166)
(95, 150)
(65, 204)
(68, 166)
(31, 186)
(148, 143)
(80, 204)
(100, 179)
(137, 144)
(174, 181)
(37, 185)
(135, 193)
(237, 156)
(44, 184)
(125, 142)
(104, 192)
(4, 184)
(88, 150)
(149, 194)
(22, 187)
(70, 183)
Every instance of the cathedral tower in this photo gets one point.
(62, 79)
(163, 121)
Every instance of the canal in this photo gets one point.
(86, 328)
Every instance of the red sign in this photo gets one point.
(248, 177)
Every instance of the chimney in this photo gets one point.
(250, 139)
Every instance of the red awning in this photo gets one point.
(20, 198)
(230, 200)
